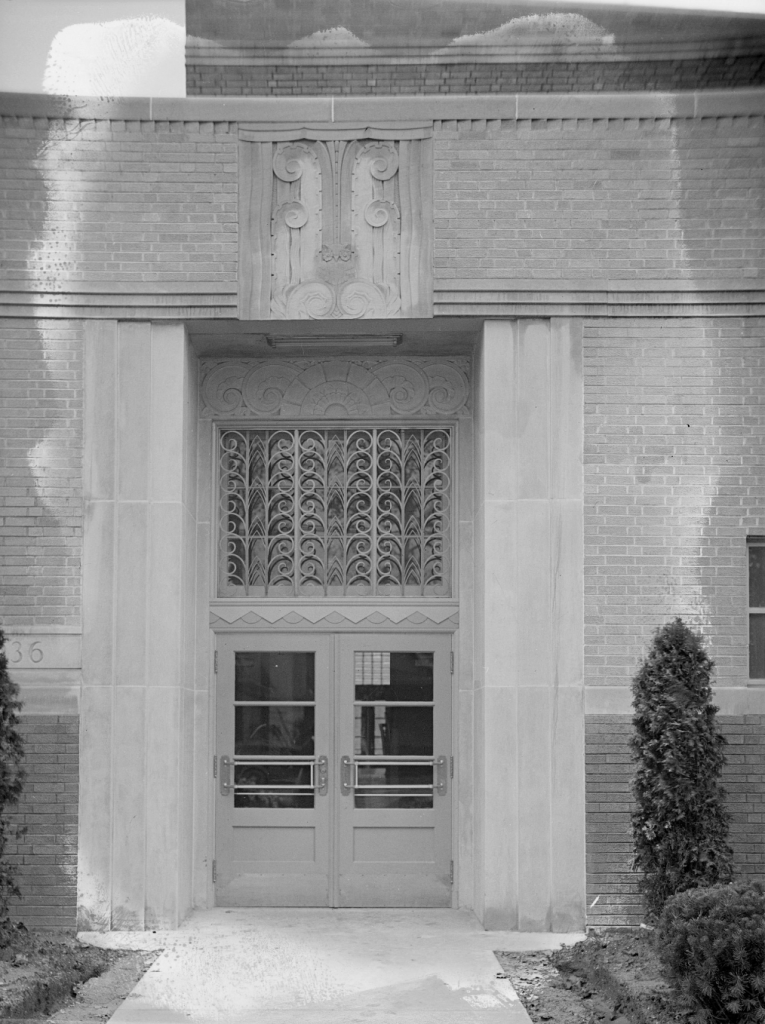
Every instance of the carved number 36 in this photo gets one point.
(34, 652)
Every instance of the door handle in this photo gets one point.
(225, 775)
(349, 779)
(322, 775)
(440, 786)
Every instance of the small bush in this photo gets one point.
(680, 822)
(712, 946)
(12, 777)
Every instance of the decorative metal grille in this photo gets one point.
(330, 512)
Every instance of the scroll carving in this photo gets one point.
(335, 228)
(335, 387)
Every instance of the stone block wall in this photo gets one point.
(46, 857)
(613, 898)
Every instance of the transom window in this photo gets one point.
(330, 512)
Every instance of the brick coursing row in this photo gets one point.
(41, 405)
(613, 898)
(674, 478)
(46, 858)
(473, 77)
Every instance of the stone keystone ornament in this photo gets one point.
(336, 223)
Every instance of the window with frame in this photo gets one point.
(757, 609)
(333, 512)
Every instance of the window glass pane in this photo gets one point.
(273, 730)
(757, 646)
(757, 575)
(393, 731)
(273, 675)
(398, 675)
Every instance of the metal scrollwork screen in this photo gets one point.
(332, 512)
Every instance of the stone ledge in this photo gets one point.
(513, 106)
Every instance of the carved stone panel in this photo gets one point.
(335, 224)
(335, 388)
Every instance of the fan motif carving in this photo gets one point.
(335, 388)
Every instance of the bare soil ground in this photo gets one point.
(612, 976)
(46, 977)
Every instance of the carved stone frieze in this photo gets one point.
(335, 387)
(313, 617)
(335, 227)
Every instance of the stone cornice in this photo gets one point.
(287, 110)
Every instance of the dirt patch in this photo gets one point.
(42, 974)
(613, 976)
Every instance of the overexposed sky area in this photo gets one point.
(135, 47)
(145, 59)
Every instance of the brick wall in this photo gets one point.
(674, 480)
(46, 857)
(40, 472)
(613, 898)
(134, 203)
(594, 200)
(150, 205)
(472, 77)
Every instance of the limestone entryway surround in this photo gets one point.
(157, 602)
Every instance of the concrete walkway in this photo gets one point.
(316, 966)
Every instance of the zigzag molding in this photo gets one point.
(271, 618)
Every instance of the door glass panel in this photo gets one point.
(393, 731)
(274, 675)
(273, 785)
(393, 719)
(393, 676)
(394, 785)
(279, 729)
(274, 729)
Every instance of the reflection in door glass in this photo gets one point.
(393, 730)
(279, 729)
(273, 729)
(274, 675)
(394, 675)
(393, 718)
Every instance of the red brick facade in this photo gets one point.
(613, 897)
(46, 857)
(371, 79)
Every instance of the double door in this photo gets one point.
(334, 769)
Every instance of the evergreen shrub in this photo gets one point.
(12, 777)
(712, 946)
(680, 822)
